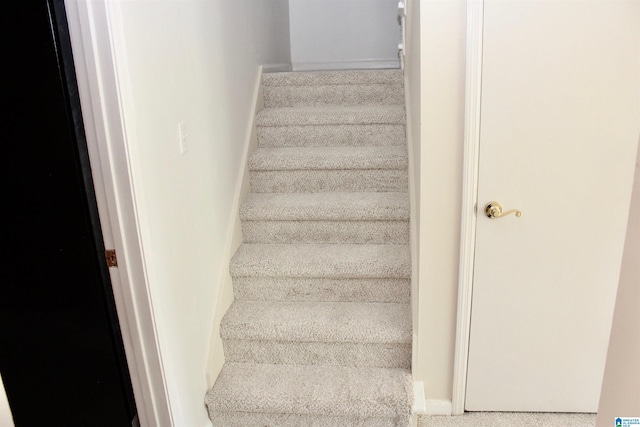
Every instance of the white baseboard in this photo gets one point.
(224, 295)
(276, 68)
(422, 406)
(419, 402)
(347, 65)
(438, 407)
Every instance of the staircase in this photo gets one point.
(320, 330)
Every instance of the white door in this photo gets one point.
(559, 126)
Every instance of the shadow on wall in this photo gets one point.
(620, 395)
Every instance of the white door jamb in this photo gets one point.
(95, 29)
(473, 90)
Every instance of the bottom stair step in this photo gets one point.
(247, 394)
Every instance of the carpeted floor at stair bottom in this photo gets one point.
(320, 333)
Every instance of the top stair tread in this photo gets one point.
(326, 78)
(312, 390)
(332, 115)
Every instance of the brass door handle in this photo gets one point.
(494, 210)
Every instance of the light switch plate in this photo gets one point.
(183, 137)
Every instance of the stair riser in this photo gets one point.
(295, 181)
(374, 232)
(243, 419)
(330, 116)
(324, 78)
(385, 355)
(345, 261)
(331, 136)
(318, 96)
(321, 289)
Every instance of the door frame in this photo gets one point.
(473, 96)
(95, 29)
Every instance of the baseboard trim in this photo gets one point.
(423, 406)
(347, 65)
(224, 296)
(419, 402)
(276, 68)
(438, 407)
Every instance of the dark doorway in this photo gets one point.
(61, 352)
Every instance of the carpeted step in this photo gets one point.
(322, 289)
(321, 169)
(329, 78)
(392, 232)
(247, 394)
(326, 218)
(319, 334)
(350, 115)
(344, 95)
(345, 88)
(331, 126)
(321, 260)
(325, 206)
(331, 135)
(328, 158)
(337, 333)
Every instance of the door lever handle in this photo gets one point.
(494, 210)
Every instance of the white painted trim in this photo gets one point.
(473, 87)
(276, 68)
(234, 234)
(413, 218)
(419, 402)
(347, 65)
(438, 407)
(85, 67)
(105, 93)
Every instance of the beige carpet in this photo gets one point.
(319, 334)
(510, 419)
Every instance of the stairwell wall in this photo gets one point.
(343, 34)
(437, 130)
(195, 62)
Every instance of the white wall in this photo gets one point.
(196, 62)
(435, 84)
(442, 91)
(620, 395)
(337, 34)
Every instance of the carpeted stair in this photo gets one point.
(320, 330)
